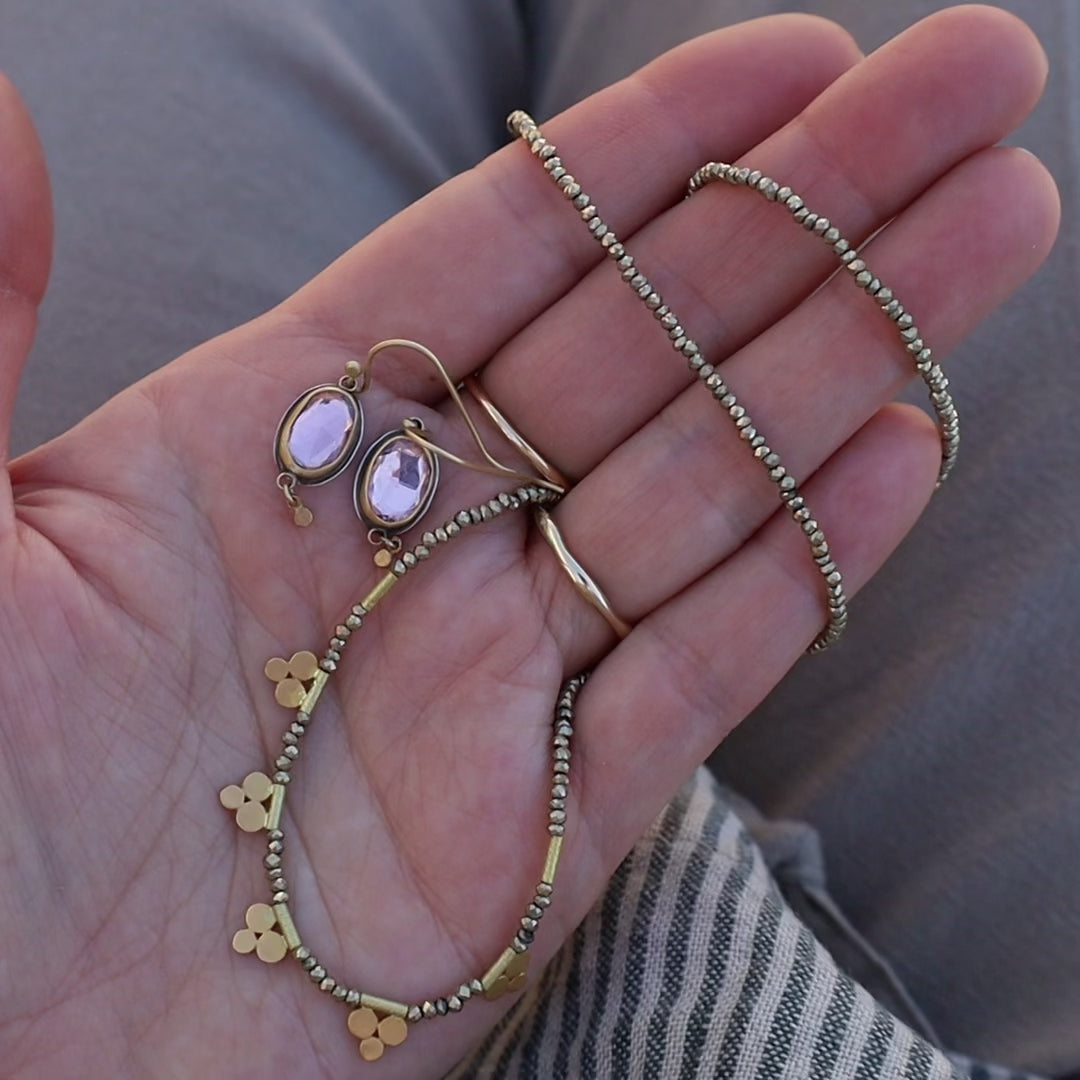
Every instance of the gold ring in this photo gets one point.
(581, 578)
(514, 437)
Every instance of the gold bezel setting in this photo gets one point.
(283, 455)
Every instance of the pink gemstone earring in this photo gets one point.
(398, 475)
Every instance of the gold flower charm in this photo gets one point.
(247, 800)
(260, 937)
(511, 979)
(290, 676)
(376, 1034)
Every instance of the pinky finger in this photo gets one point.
(698, 665)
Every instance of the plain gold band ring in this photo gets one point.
(514, 437)
(581, 578)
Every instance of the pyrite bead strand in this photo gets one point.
(292, 741)
(930, 371)
(523, 126)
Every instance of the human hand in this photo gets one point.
(149, 569)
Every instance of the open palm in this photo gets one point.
(148, 567)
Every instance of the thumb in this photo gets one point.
(25, 254)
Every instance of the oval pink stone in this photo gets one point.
(398, 480)
(321, 432)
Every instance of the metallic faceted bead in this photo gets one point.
(528, 923)
(454, 1003)
(428, 1009)
(414, 1014)
(310, 962)
(272, 860)
(340, 993)
(476, 986)
(327, 984)
(318, 973)
(280, 898)
(352, 997)
(464, 991)
(275, 847)
(534, 912)
(441, 1006)
(301, 952)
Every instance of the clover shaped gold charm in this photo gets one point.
(510, 979)
(260, 935)
(291, 676)
(376, 1033)
(248, 800)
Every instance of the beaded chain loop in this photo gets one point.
(270, 931)
(524, 127)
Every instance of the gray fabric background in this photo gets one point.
(208, 157)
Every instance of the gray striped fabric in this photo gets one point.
(692, 965)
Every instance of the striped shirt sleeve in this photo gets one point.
(691, 965)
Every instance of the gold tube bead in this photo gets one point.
(311, 698)
(277, 804)
(288, 927)
(384, 1005)
(380, 590)
(492, 974)
(551, 864)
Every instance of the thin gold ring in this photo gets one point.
(581, 578)
(514, 437)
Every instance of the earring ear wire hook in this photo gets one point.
(415, 432)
